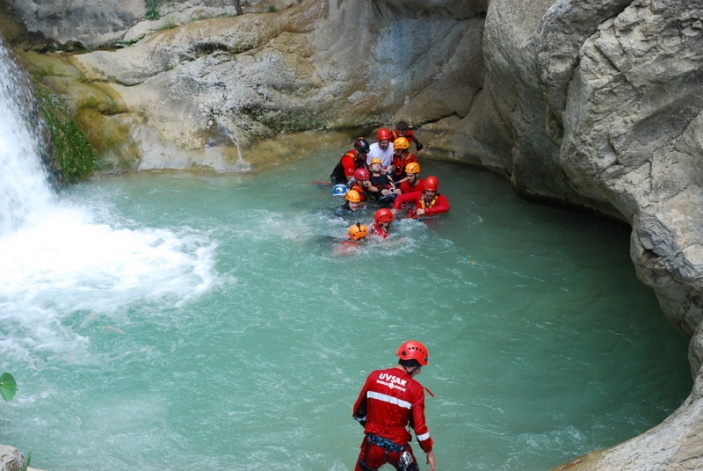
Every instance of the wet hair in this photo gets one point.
(409, 363)
(401, 126)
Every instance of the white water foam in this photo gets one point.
(56, 261)
(23, 183)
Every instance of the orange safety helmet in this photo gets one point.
(383, 134)
(414, 350)
(412, 167)
(353, 196)
(401, 143)
(358, 231)
(383, 216)
(431, 183)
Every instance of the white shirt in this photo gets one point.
(375, 152)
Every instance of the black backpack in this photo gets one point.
(337, 175)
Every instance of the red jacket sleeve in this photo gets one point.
(349, 164)
(419, 425)
(359, 411)
(403, 198)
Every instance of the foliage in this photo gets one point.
(152, 9)
(272, 9)
(27, 461)
(8, 387)
(73, 156)
(170, 24)
(123, 43)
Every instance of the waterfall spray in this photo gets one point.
(61, 260)
(24, 187)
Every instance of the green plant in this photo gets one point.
(152, 9)
(8, 387)
(123, 43)
(170, 24)
(73, 158)
(27, 461)
(272, 9)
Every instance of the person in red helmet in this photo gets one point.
(382, 220)
(412, 181)
(401, 158)
(382, 149)
(403, 130)
(389, 401)
(361, 175)
(427, 203)
(350, 161)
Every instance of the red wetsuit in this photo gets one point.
(360, 189)
(390, 401)
(346, 247)
(410, 136)
(406, 188)
(439, 204)
(379, 230)
(344, 171)
(399, 165)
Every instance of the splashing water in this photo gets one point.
(23, 186)
(59, 259)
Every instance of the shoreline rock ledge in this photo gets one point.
(596, 105)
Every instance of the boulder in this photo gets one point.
(10, 458)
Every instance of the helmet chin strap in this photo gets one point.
(412, 372)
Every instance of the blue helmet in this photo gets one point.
(339, 189)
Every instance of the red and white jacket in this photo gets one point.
(390, 401)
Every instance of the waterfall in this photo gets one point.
(24, 189)
(66, 259)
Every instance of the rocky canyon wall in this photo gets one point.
(595, 104)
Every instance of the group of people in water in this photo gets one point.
(386, 174)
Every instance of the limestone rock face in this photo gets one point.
(101, 23)
(211, 85)
(610, 106)
(595, 104)
(632, 136)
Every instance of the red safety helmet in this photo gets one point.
(383, 216)
(431, 183)
(383, 134)
(361, 174)
(414, 350)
